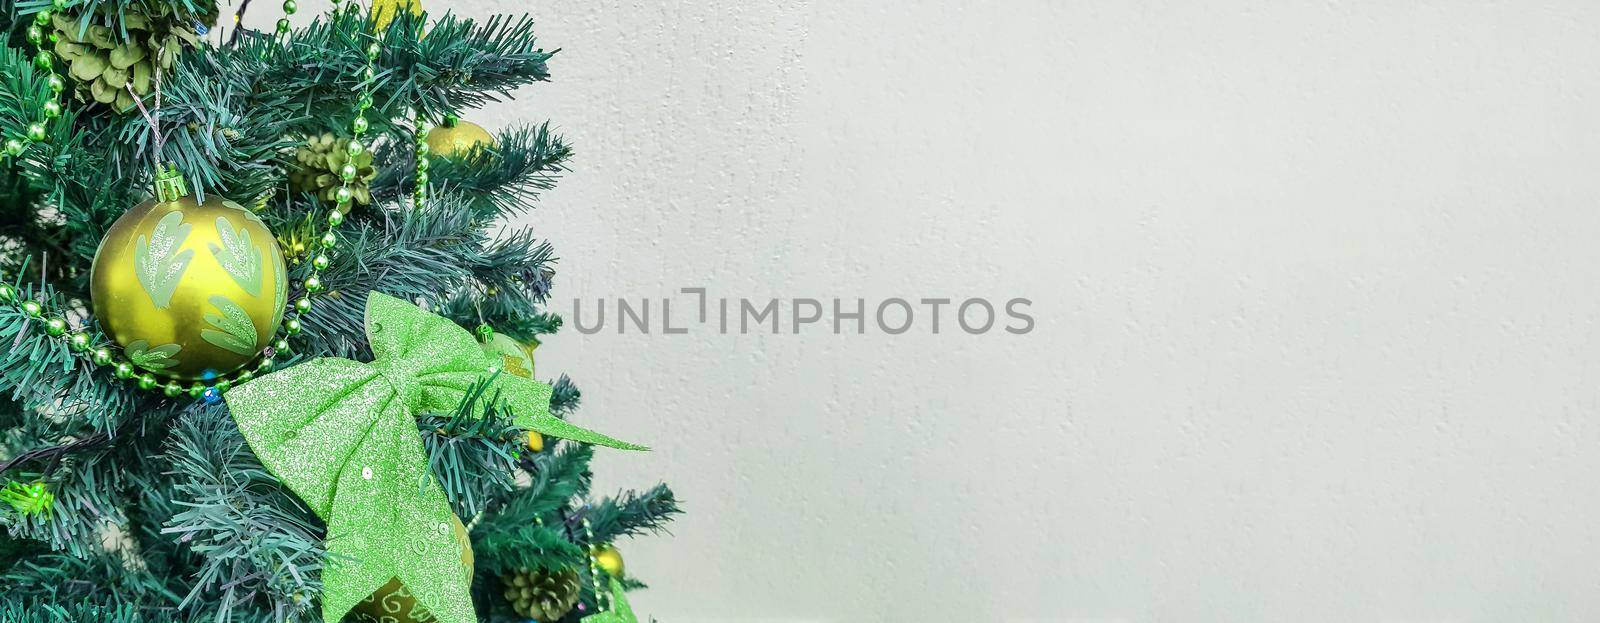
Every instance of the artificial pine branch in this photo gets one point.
(17, 609)
(161, 512)
(43, 376)
(630, 513)
(564, 396)
(472, 450)
(508, 548)
(259, 548)
(501, 181)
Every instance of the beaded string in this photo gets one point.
(280, 30)
(35, 133)
(289, 7)
(293, 324)
(347, 174)
(419, 178)
(601, 597)
(96, 349)
(420, 195)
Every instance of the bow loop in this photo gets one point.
(424, 356)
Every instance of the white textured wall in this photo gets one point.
(1315, 284)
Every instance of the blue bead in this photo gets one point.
(212, 396)
(201, 29)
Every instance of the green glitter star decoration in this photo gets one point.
(343, 436)
(620, 611)
(28, 499)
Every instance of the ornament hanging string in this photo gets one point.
(154, 121)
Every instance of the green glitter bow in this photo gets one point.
(343, 436)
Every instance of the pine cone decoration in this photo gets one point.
(320, 167)
(543, 595)
(105, 64)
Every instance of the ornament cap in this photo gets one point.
(169, 184)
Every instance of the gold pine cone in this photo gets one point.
(317, 169)
(104, 65)
(543, 595)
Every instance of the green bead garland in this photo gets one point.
(420, 193)
(37, 131)
(594, 564)
(289, 7)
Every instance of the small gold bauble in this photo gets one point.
(608, 559)
(192, 291)
(461, 140)
(394, 603)
(384, 11)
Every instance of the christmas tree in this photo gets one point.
(266, 344)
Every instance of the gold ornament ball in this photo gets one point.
(394, 603)
(461, 140)
(608, 559)
(192, 291)
(384, 11)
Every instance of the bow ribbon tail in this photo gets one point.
(530, 403)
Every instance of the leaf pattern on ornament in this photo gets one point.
(157, 262)
(159, 358)
(238, 256)
(234, 332)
